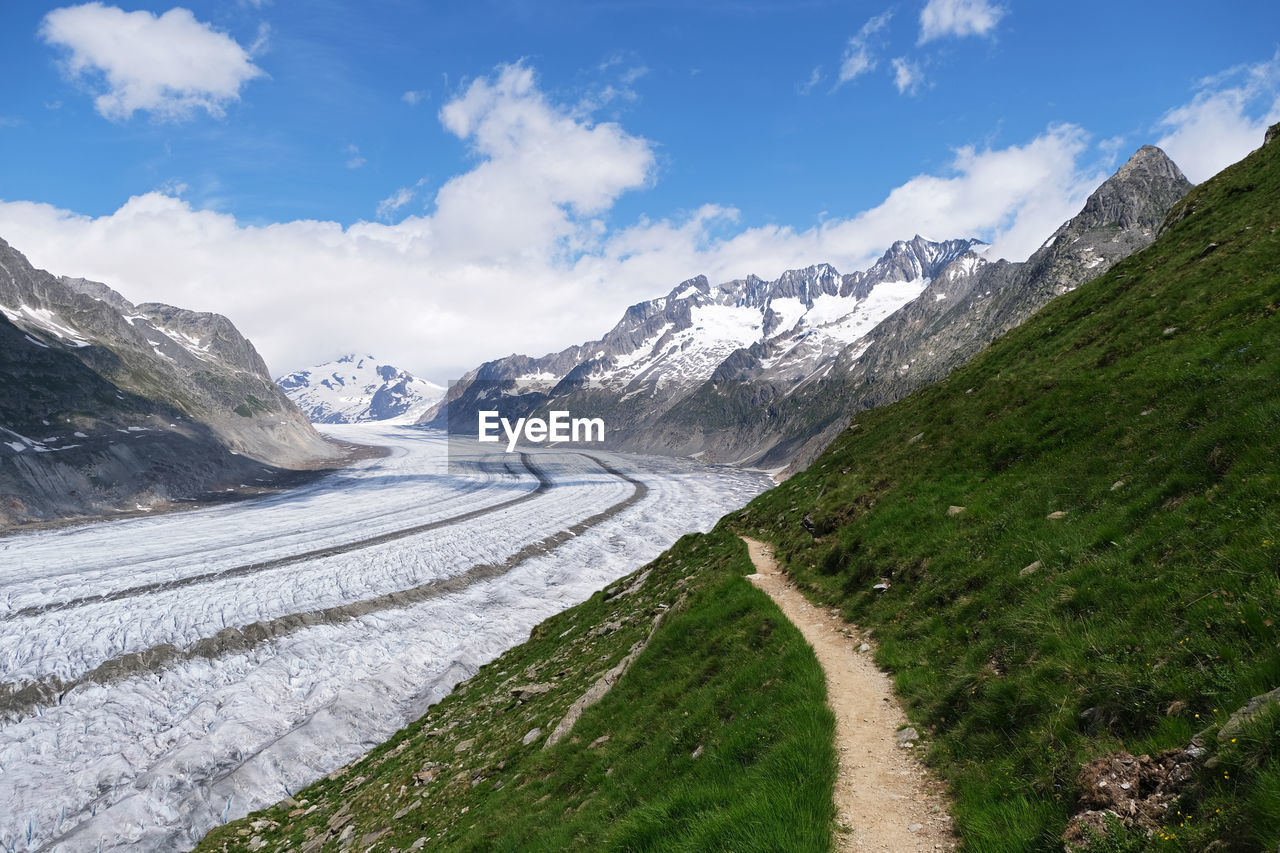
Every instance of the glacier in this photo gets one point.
(199, 665)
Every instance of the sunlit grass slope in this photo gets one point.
(716, 738)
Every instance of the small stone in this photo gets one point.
(697, 753)
(954, 510)
(908, 734)
(463, 746)
(1118, 484)
(915, 827)
(915, 438)
(419, 844)
(1030, 569)
(864, 648)
(600, 741)
(526, 692)
(531, 736)
(1062, 513)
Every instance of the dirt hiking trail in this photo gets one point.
(885, 799)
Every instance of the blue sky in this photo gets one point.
(443, 183)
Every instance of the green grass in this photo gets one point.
(725, 673)
(1146, 405)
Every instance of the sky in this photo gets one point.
(438, 184)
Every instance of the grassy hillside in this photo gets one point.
(1112, 581)
(717, 737)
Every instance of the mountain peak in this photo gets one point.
(1140, 193)
(354, 388)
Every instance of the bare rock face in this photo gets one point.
(106, 405)
(1273, 133)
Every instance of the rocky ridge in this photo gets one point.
(111, 406)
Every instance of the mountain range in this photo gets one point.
(354, 389)
(765, 373)
(114, 406)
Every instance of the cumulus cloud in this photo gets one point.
(940, 18)
(514, 254)
(542, 172)
(907, 76)
(859, 57)
(1224, 121)
(170, 66)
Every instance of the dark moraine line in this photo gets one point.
(544, 485)
(19, 700)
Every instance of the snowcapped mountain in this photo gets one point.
(359, 388)
(664, 349)
(969, 304)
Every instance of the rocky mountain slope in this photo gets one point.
(106, 405)
(359, 388)
(766, 373)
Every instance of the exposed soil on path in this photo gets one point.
(885, 799)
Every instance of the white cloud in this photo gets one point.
(1224, 121)
(354, 158)
(542, 170)
(395, 202)
(514, 255)
(261, 42)
(907, 76)
(621, 88)
(170, 66)
(858, 56)
(815, 77)
(940, 18)
(412, 97)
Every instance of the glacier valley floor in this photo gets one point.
(161, 675)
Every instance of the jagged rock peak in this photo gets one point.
(1138, 194)
(686, 288)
